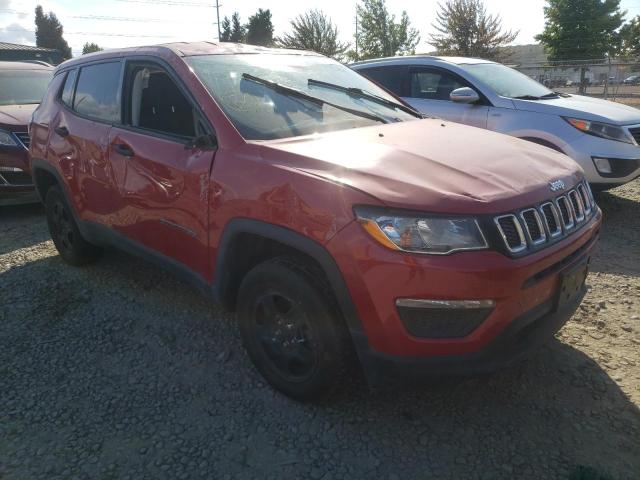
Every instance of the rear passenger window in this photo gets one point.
(433, 84)
(67, 90)
(98, 91)
(158, 104)
(391, 78)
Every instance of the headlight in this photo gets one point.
(7, 140)
(434, 235)
(603, 130)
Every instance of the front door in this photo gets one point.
(162, 176)
(429, 90)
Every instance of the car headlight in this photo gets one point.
(603, 130)
(434, 235)
(7, 140)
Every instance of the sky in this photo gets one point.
(120, 23)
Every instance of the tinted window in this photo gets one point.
(20, 87)
(98, 91)
(67, 90)
(158, 104)
(433, 84)
(261, 112)
(390, 78)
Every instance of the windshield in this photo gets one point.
(263, 112)
(19, 87)
(506, 81)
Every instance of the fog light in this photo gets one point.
(603, 165)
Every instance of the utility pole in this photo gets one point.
(218, 18)
(357, 56)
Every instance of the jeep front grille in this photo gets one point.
(535, 226)
(23, 137)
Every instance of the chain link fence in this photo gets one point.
(611, 79)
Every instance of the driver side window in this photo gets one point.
(433, 84)
(157, 103)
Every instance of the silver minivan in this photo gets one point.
(602, 136)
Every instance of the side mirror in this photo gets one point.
(203, 142)
(464, 95)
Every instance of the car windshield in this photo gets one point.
(506, 81)
(19, 87)
(247, 88)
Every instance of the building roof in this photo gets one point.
(24, 48)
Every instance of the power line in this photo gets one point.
(110, 18)
(98, 34)
(169, 2)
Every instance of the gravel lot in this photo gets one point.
(118, 370)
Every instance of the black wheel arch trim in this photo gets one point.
(296, 241)
(543, 142)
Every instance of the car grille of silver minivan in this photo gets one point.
(539, 225)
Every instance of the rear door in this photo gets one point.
(79, 138)
(429, 89)
(162, 173)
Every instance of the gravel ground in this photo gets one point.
(118, 370)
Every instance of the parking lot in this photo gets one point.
(119, 370)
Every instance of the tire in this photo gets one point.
(292, 330)
(66, 236)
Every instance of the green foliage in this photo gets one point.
(465, 29)
(379, 35)
(232, 30)
(313, 30)
(49, 32)
(630, 36)
(581, 29)
(90, 48)
(225, 30)
(260, 29)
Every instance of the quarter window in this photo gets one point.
(98, 91)
(158, 104)
(67, 90)
(433, 85)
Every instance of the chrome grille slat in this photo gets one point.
(586, 201)
(576, 204)
(533, 226)
(509, 227)
(556, 218)
(551, 219)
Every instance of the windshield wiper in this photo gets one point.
(534, 97)
(359, 93)
(292, 92)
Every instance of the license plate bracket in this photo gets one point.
(571, 283)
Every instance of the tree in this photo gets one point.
(465, 29)
(379, 35)
(315, 31)
(260, 28)
(630, 35)
(232, 30)
(238, 31)
(49, 33)
(225, 33)
(90, 48)
(581, 30)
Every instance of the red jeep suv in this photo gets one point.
(328, 214)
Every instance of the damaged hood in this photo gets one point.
(432, 165)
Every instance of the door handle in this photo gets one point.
(62, 131)
(124, 150)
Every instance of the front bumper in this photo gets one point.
(16, 185)
(625, 159)
(523, 289)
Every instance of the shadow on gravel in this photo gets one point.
(119, 369)
(620, 237)
(16, 227)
